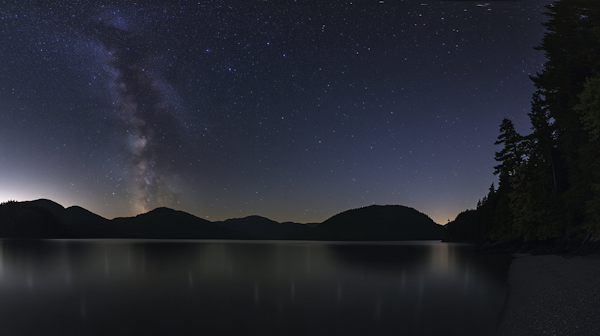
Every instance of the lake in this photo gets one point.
(138, 287)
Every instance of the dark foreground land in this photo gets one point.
(552, 295)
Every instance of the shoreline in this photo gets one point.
(552, 295)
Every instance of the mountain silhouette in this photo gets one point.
(27, 220)
(264, 228)
(165, 223)
(47, 219)
(378, 222)
(55, 208)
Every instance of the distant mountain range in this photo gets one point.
(47, 219)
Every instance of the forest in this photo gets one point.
(549, 180)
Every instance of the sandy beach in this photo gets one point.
(552, 295)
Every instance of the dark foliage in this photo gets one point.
(549, 186)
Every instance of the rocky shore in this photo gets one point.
(553, 294)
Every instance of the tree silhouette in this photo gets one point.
(549, 185)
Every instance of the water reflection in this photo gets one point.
(220, 288)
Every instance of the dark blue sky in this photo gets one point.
(293, 110)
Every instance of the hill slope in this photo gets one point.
(30, 220)
(43, 218)
(47, 219)
(165, 223)
(263, 228)
(377, 222)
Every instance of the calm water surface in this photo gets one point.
(124, 287)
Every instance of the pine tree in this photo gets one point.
(589, 111)
(512, 155)
(549, 180)
(572, 46)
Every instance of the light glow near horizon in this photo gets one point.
(294, 115)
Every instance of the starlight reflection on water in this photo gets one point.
(223, 288)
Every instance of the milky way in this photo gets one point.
(151, 127)
(293, 110)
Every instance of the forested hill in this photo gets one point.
(549, 180)
(378, 222)
(41, 219)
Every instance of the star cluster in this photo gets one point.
(293, 110)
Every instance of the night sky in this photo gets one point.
(292, 110)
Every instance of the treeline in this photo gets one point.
(549, 180)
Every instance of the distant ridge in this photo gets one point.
(264, 227)
(47, 219)
(378, 223)
(32, 220)
(55, 208)
(166, 223)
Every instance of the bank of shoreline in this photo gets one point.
(552, 295)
